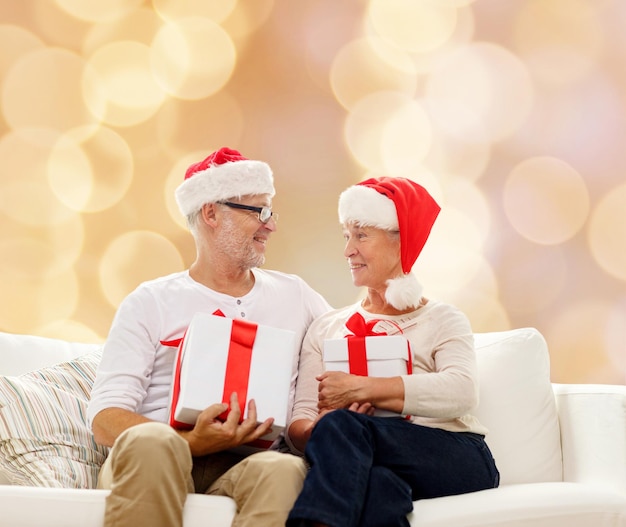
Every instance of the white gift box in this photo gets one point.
(385, 356)
(209, 368)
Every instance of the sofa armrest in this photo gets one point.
(592, 418)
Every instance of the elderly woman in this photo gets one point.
(366, 469)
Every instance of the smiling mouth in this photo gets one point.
(354, 267)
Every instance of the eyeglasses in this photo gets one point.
(265, 213)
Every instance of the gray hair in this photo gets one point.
(192, 221)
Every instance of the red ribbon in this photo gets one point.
(357, 325)
(176, 388)
(242, 335)
(237, 373)
(357, 353)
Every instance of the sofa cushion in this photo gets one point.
(517, 405)
(23, 353)
(548, 504)
(44, 438)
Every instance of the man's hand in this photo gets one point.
(211, 435)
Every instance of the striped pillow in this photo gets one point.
(44, 438)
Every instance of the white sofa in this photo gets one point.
(561, 449)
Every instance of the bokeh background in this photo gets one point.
(512, 113)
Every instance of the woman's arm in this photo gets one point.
(299, 432)
(341, 390)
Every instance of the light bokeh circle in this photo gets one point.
(615, 338)
(479, 300)
(418, 27)
(172, 10)
(192, 58)
(559, 40)
(532, 277)
(174, 179)
(39, 259)
(90, 172)
(60, 106)
(388, 132)
(455, 157)
(470, 203)
(406, 138)
(25, 194)
(546, 200)
(99, 10)
(140, 26)
(479, 92)
(15, 42)
(36, 301)
(366, 66)
(452, 256)
(127, 92)
(69, 330)
(456, 3)
(607, 233)
(464, 31)
(246, 19)
(579, 327)
(135, 257)
(184, 126)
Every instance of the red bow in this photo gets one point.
(357, 354)
(357, 325)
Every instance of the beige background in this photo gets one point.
(512, 113)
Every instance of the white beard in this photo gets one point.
(237, 248)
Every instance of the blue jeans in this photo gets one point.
(366, 471)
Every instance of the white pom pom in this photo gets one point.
(403, 292)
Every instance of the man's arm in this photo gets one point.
(111, 422)
(209, 434)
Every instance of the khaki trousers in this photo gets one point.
(150, 471)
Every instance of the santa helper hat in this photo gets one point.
(223, 175)
(394, 204)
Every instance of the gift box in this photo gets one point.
(219, 356)
(369, 353)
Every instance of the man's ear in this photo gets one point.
(209, 214)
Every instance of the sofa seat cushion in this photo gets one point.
(527, 505)
(517, 405)
(31, 506)
(44, 437)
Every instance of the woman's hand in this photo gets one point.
(365, 408)
(340, 390)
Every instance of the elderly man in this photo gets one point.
(226, 199)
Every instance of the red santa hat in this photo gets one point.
(394, 204)
(224, 175)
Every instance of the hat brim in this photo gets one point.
(368, 208)
(223, 182)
